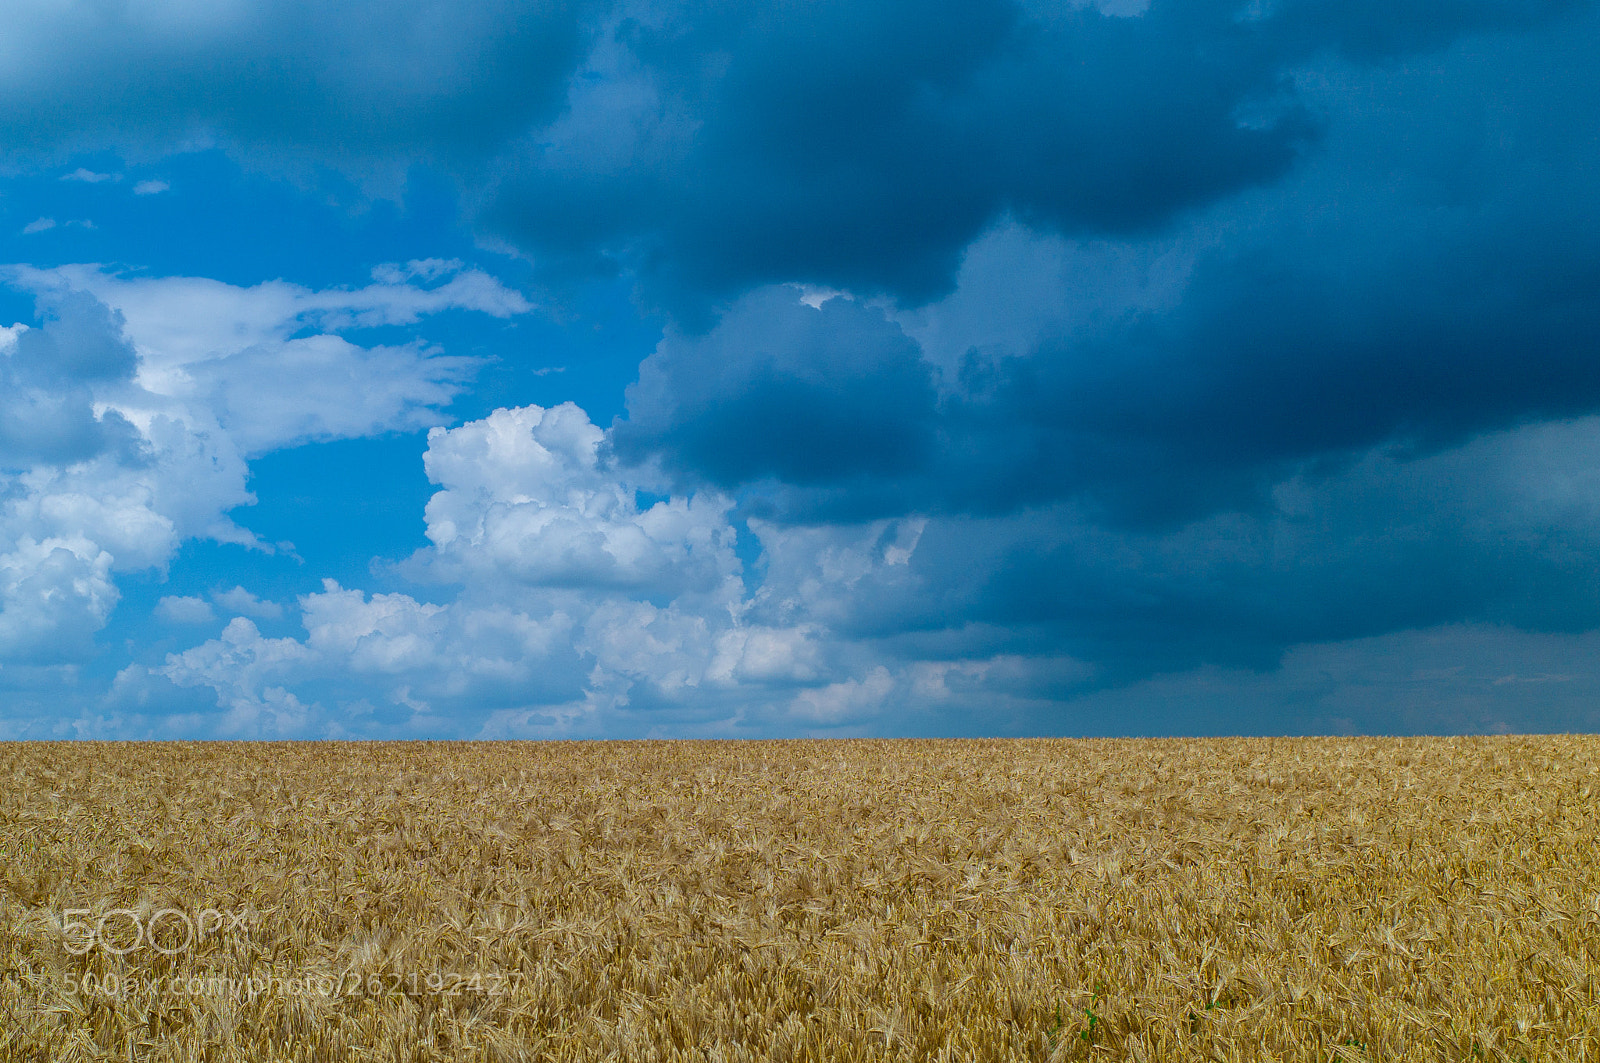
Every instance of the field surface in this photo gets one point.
(1285, 899)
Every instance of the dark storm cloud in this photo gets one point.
(1428, 275)
(1505, 530)
(1352, 416)
(715, 148)
(863, 146)
(782, 390)
(1294, 356)
(1370, 30)
(1431, 275)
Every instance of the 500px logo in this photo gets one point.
(169, 931)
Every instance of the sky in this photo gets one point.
(635, 368)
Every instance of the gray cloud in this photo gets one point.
(356, 84)
(46, 379)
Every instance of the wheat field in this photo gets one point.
(1230, 899)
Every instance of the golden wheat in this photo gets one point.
(1364, 899)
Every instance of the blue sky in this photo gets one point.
(763, 369)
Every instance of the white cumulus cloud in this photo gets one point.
(572, 608)
(185, 610)
(244, 355)
(527, 498)
(55, 593)
(241, 602)
(127, 418)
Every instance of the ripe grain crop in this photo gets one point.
(1283, 899)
